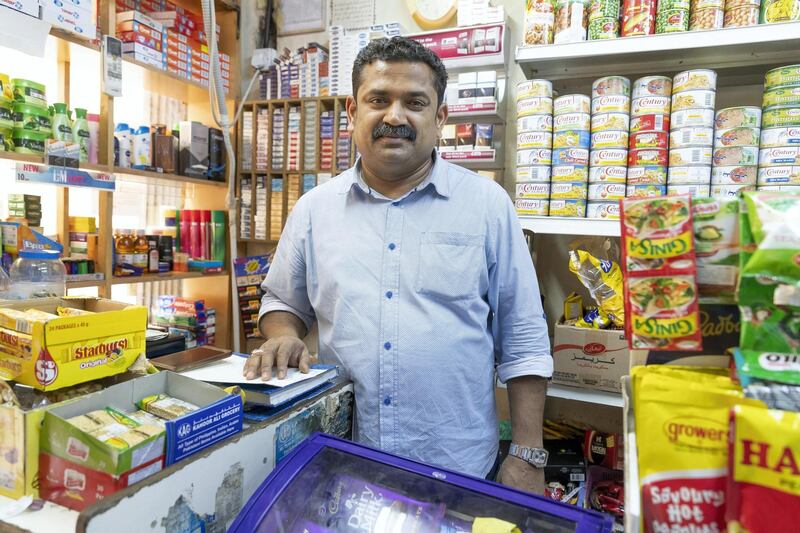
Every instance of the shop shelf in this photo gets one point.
(120, 171)
(571, 226)
(88, 283)
(166, 73)
(75, 39)
(486, 113)
(584, 395)
(166, 276)
(727, 48)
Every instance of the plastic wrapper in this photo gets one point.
(594, 319)
(166, 407)
(603, 279)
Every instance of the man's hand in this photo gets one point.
(517, 473)
(281, 352)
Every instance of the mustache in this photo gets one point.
(387, 130)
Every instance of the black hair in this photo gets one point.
(399, 49)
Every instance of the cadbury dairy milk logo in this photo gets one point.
(697, 432)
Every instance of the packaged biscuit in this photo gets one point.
(16, 344)
(535, 123)
(603, 279)
(779, 176)
(534, 139)
(608, 157)
(570, 173)
(571, 156)
(610, 121)
(93, 421)
(650, 123)
(700, 99)
(527, 207)
(774, 137)
(695, 190)
(571, 103)
(609, 139)
(647, 175)
(689, 175)
(537, 105)
(782, 76)
(606, 192)
(650, 105)
(571, 139)
(568, 190)
(568, 208)
(645, 191)
(693, 118)
(690, 156)
(782, 96)
(730, 191)
(738, 117)
(688, 137)
(572, 121)
(657, 235)
(690, 80)
(166, 407)
(534, 88)
(649, 139)
(737, 137)
(762, 483)
(534, 157)
(736, 155)
(21, 321)
(533, 190)
(608, 174)
(603, 210)
(652, 86)
(615, 103)
(648, 157)
(734, 175)
(776, 157)
(611, 85)
(537, 174)
(781, 116)
(717, 247)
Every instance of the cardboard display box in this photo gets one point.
(71, 350)
(590, 358)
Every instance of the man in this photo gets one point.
(418, 276)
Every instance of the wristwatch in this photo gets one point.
(536, 457)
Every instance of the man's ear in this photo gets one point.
(350, 106)
(441, 116)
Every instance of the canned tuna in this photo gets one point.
(536, 191)
(782, 96)
(777, 117)
(690, 156)
(734, 175)
(602, 210)
(606, 191)
(609, 139)
(534, 139)
(648, 175)
(572, 121)
(533, 88)
(645, 191)
(570, 173)
(534, 157)
(689, 175)
(608, 174)
(535, 123)
(781, 76)
(608, 157)
(781, 156)
(689, 80)
(695, 191)
(648, 157)
(540, 174)
(736, 155)
(736, 137)
(787, 175)
(536, 105)
(568, 208)
(527, 207)
(650, 105)
(694, 100)
(571, 103)
(652, 86)
(730, 191)
(774, 137)
(738, 117)
(691, 118)
(611, 85)
(651, 123)
(571, 139)
(687, 137)
(615, 103)
(571, 156)
(568, 190)
(610, 121)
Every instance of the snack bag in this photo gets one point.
(764, 478)
(603, 279)
(716, 238)
(663, 313)
(773, 378)
(657, 234)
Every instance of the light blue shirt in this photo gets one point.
(419, 300)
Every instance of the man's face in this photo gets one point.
(396, 120)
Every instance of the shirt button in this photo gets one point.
(387, 400)
(395, 204)
(387, 345)
(389, 294)
(392, 246)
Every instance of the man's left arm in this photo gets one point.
(522, 345)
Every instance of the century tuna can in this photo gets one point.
(736, 137)
(568, 190)
(690, 80)
(611, 157)
(570, 173)
(734, 175)
(572, 121)
(647, 175)
(534, 157)
(537, 105)
(608, 174)
(782, 96)
(736, 155)
(780, 137)
(781, 156)
(603, 210)
(610, 121)
(672, 20)
(645, 191)
(701, 99)
(609, 139)
(690, 118)
(687, 175)
(540, 174)
(781, 117)
(571, 103)
(535, 123)
(567, 208)
(534, 139)
(534, 88)
(650, 105)
(537, 191)
(738, 117)
(648, 139)
(652, 86)
(648, 157)
(686, 137)
(527, 207)
(779, 175)
(730, 191)
(690, 156)
(615, 103)
(603, 28)
(571, 156)
(606, 191)
(694, 191)
(650, 123)
(611, 85)
(571, 139)
(778, 77)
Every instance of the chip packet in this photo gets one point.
(603, 279)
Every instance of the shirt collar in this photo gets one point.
(437, 177)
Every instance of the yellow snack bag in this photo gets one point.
(603, 279)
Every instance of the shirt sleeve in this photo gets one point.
(519, 326)
(285, 287)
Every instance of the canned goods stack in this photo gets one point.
(608, 157)
(779, 157)
(672, 16)
(707, 15)
(570, 172)
(534, 146)
(691, 138)
(649, 136)
(604, 19)
(741, 13)
(736, 137)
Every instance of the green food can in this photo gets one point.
(789, 95)
(6, 140)
(599, 9)
(776, 11)
(778, 77)
(672, 5)
(29, 92)
(673, 20)
(32, 118)
(29, 142)
(777, 117)
(603, 28)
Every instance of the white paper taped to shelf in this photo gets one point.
(22, 32)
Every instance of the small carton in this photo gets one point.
(447, 142)
(465, 137)
(467, 84)
(194, 149)
(486, 88)
(590, 358)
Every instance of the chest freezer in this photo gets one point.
(329, 485)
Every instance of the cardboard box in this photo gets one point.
(71, 18)
(135, 16)
(72, 350)
(193, 149)
(219, 416)
(590, 358)
(28, 7)
(140, 50)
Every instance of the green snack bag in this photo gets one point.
(716, 237)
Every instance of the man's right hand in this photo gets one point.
(281, 352)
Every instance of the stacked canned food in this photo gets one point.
(779, 159)
(649, 136)
(608, 158)
(741, 13)
(672, 16)
(570, 172)
(534, 146)
(691, 138)
(736, 135)
(707, 15)
(604, 19)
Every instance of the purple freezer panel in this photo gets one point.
(328, 485)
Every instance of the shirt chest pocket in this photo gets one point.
(451, 265)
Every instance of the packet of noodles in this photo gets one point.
(764, 477)
(657, 234)
(603, 279)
